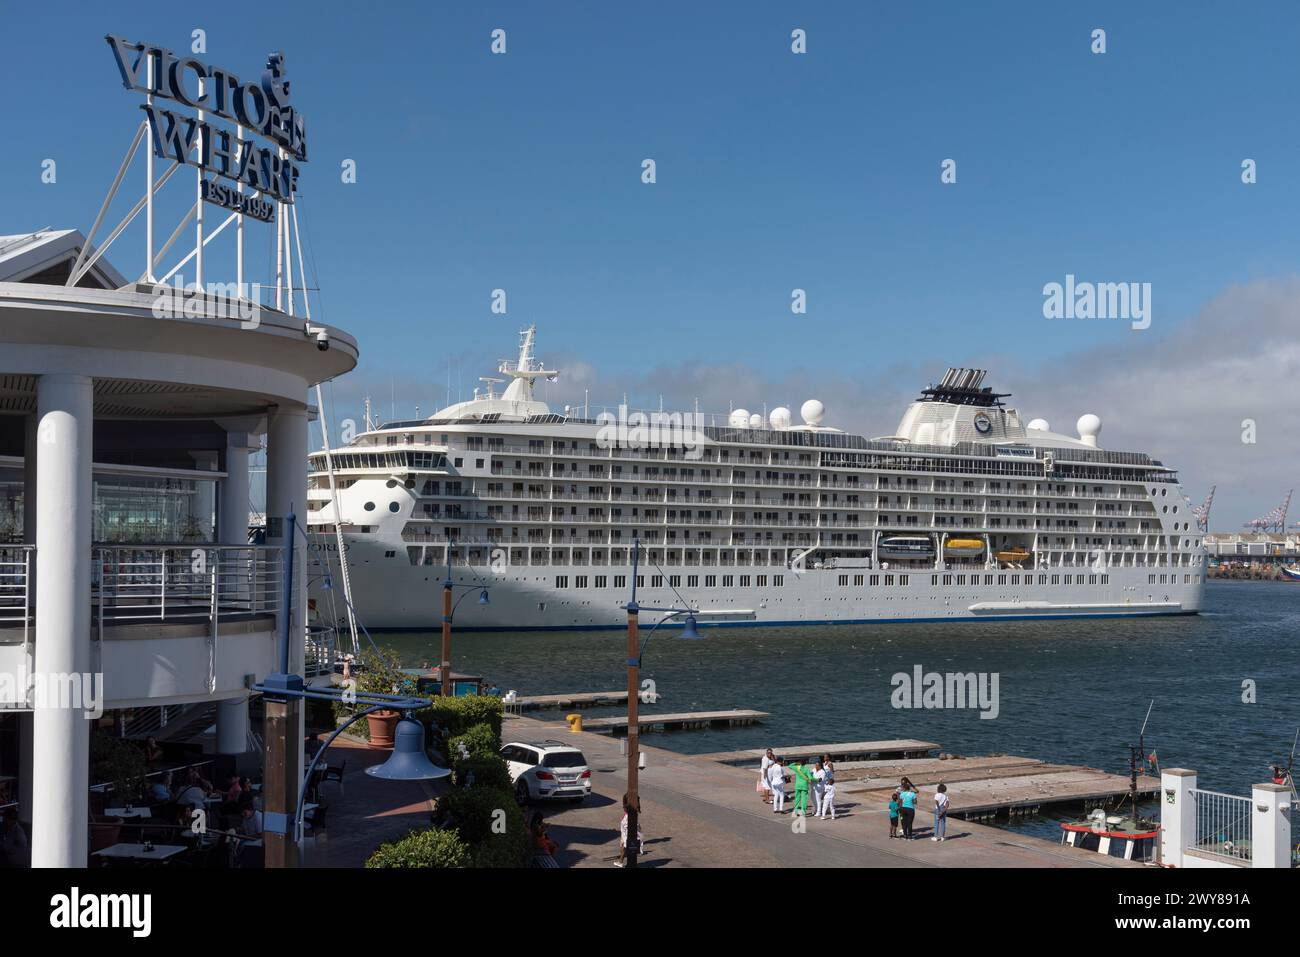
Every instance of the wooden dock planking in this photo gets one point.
(1056, 784)
(578, 699)
(921, 770)
(851, 751)
(679, 721)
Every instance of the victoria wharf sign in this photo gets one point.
(260, 107)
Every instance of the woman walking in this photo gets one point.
(940, 813)
(907, 809)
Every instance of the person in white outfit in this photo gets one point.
(819, 787)
(776, 780)
(764, 788)
(827, 806)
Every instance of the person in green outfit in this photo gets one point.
(803, 776)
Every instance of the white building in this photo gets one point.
(124, 503)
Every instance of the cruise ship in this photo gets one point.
(966, 513)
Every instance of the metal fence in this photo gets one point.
(17, 587)
(1223, 825)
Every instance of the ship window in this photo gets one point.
(391, 483)
(478, 463)
(394, 507)
(778, 579)
(370, 506)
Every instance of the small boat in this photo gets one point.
(963, 547)
(906, 546)
(1129, 837)
(1290, 573)
(1013, 556)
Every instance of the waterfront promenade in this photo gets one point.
(697, 812)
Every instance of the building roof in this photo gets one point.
(48, 255)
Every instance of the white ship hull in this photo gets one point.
(391, 594)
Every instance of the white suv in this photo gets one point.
(549, 770)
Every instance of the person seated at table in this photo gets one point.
(246, 786)
(15, 851)
(160, 789)
(250, 824)
(152, 752)
(195, 790)
(234, 789)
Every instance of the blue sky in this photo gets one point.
(775, 171)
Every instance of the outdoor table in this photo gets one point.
(136, 852)
(127, 812)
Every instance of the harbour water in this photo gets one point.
(1069, 691)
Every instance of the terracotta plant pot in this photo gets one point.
(382, 726)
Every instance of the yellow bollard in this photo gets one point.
(575, 722)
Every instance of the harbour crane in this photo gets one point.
(1273, 521)
(1202, 511)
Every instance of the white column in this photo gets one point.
(1177, 815)
(232, 510)
(286, 488)
(1270, 829)
(61, 735)
(232, 725)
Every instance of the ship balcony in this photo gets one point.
(166, 621)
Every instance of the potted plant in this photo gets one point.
(380, 672)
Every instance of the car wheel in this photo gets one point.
(521, 792)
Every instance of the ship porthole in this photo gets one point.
(393, 507)
(370, 506)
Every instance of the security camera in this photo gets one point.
(320, 333)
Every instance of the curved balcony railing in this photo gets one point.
(160, 583)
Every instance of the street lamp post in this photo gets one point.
(634, 654)
(448, 612)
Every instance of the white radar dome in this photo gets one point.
(1039, 425)
(780, 418)
(812, 412)
(1089, 427)
(755, 421)
(739, 419)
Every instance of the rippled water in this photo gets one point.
(1069, 691)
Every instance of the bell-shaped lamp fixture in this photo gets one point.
(408, 761)
(689, 630)
(483, 597)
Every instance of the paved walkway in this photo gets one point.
(366, 812)
(698, 813)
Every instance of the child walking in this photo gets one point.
(893, 815)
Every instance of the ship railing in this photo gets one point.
(1222, 825)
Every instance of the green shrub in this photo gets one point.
(425, 847)
(489, 772)
(478, 814)
(456, 716)
(479, 741)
